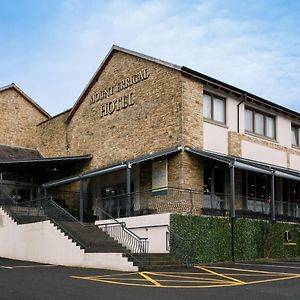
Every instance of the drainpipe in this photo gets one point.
(232, 207)
(238, 111)
(128, 189)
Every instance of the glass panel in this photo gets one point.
(207, 179)
(249, 120)
(219, 180)
(259, 123)
(270, 127)
(219, 110)
(207, 106)
(295, 139)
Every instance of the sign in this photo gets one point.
(108, 100)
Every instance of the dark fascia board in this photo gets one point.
(94, 78)
(230, 160)
(111, 168)
(31, 101)
(239, 92)
(211, 155)
(46, 159)
(155, 155)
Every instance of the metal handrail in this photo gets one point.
(11, 199)
(138, 245)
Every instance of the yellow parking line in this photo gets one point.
(191, 277)
(143, 274)
(220, 275)
(253, 271)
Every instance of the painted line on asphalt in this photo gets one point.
(220, 275)
(145, 275)
(272, 266)
(163, 274)
(30, 266)
(253, 271)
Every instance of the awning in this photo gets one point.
(247, 164)
(41, 163)
(112, 168)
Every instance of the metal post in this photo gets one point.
(232, 192)
(273, 217)
(128, 189)
(81, 202)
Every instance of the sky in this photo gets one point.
(52, 48)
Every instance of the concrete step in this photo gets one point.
(90, 238)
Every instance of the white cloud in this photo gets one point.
(61, 56)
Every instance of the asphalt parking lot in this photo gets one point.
(27, 280)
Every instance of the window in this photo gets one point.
(260, 123)
(295, 135)
(214, 108)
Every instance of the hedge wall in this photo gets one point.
(250, 239)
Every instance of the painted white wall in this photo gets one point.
(153, 227)
(264, 154)
(43, 242)
(283, 131)
(231, 117)
(295, 162)
(215, 138)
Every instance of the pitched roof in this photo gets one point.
(209, 81)
(32, 102)
(12, 153)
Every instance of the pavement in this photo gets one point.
(274, 280)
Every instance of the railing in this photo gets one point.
(215, 201)
(256, 205)
(6, 199)
(287, 209)
(183, 249)
(151, 202)
(124, 235)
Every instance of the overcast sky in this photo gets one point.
(51, 48)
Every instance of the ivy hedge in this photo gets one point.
(220, 239)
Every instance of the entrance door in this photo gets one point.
(116, 202)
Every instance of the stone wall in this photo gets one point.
(53, 137)
(148, 123)
(18, 120)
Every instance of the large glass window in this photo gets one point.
(295, 135)
(214, 108)
(260, 123)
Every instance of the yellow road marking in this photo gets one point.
(273, 279)
(252, 271)
(191, 277)
(196, 282)
(220, 275)
(144, 274)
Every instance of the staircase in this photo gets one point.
(89, 237)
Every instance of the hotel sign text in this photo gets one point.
(112, 104)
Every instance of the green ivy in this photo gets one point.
(252, 239)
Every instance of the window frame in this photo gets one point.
(212, 110)
(297, 127)
(265, 116)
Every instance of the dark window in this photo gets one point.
(260, 123)
(295, 135)
(214, 108)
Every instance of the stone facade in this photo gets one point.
(18, 121)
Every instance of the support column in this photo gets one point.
(81, 201)
(273, 215)
(128, 189)
(232, 192)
